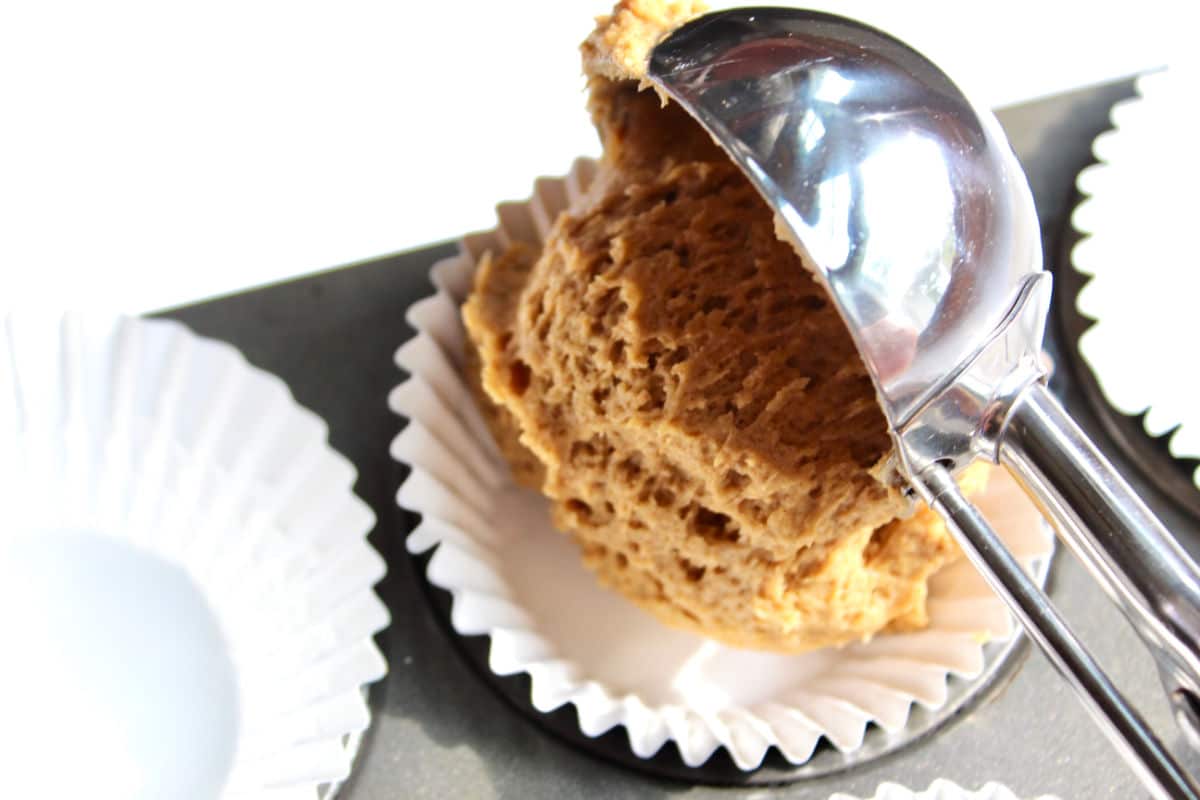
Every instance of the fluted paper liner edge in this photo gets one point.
(1134, 223)
(517, 580)
(941, 789)
(142, 432)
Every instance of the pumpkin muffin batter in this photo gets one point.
(671, 376)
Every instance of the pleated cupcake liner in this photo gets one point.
(1135, 245)
(941, 789)
(160, 442)
(515, 579)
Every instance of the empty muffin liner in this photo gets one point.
(1135, 247)
(941, 789)
(141, 434)
(513, 577)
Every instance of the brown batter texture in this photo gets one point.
(669, 374)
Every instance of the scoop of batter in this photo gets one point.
(666, 370)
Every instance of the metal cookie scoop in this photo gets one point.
(914, 211)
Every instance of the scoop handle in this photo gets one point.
(1119, 541)
(1133, 738)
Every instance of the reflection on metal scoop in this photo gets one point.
(911, 206)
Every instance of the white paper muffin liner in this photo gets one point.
(151, 440)
(517, 580)
(1137, 222)
(941, 789)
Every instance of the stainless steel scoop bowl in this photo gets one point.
(908, 202)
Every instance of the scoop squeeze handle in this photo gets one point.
(1132, 737)
(1120, 542)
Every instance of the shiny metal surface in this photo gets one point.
(1155, 766)
(1149, 576)
(906, 198)
(910, 206)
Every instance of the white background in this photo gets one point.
(155, 153)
